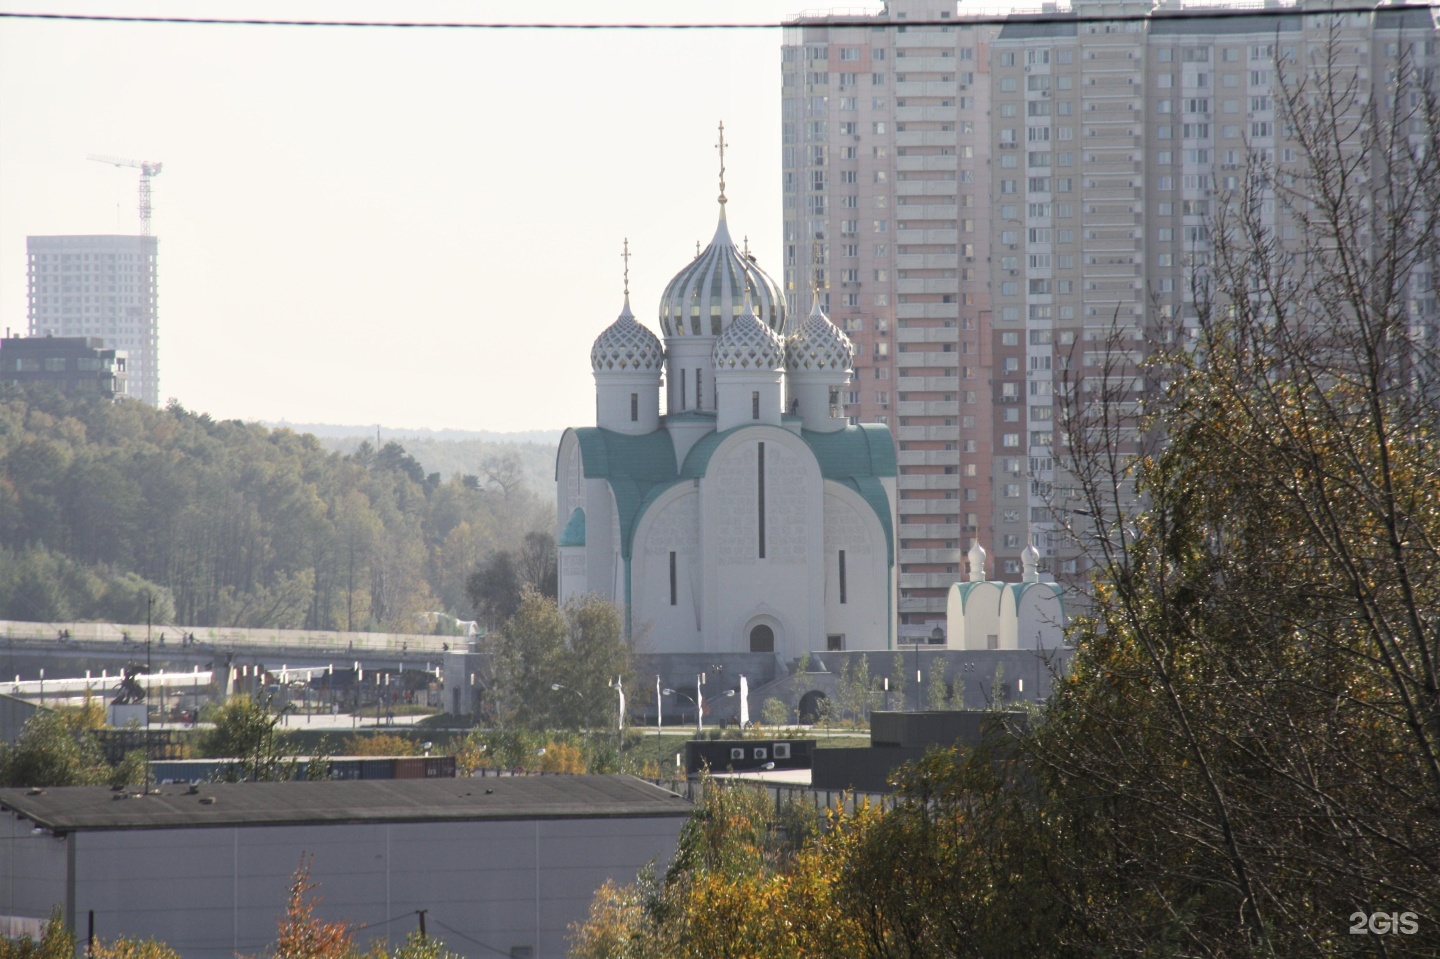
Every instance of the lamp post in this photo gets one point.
(584, 727)
(675, 692)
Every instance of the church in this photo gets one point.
(751, 516)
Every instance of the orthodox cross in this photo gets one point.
(721, 147)
(626, 257)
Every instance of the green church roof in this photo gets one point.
(633, 465)
(641, 468)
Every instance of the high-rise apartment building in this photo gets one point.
(100, 286)
(886, 174)
(995, 205)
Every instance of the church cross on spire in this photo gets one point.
(816, 258)
(720, 145)
(626, 257)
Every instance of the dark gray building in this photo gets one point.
(502, 865)
(78, 365)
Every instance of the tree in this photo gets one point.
(126, 948)
(936, 691)
(495, 589)
(246, 732)
(302, 935)
(50, 752)
(538, 563)
(774, 712)
(597, 659)
(56, 942)
(558, 668)
(1250, 744)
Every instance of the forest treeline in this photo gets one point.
(109, 508)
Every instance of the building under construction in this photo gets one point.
(100, 286)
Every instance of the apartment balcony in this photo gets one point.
(922, 604)
(925, 261)
(928, 408)
(924, 64)
(929, 507)
(939, 163)
(930, 531)
(932, 481)
(927, 311)
(949, 556)
(933, 433)
(930, 581)
(944, 361)
(913, 458)
(933, 114)
(947, 236)
(945, 384)
(928, 334)
(945, 188)
(924, 88)
(936, 285)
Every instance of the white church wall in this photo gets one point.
(670, 525)
(602, 540)
(737, 579)
(862, 619)
(1039, 615)
(983, 617)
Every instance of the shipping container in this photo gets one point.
(410, 767)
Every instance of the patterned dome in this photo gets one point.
(747, 345)
(819, 345)
(625, 346)
(708, 295)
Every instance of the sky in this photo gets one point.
(410, 228)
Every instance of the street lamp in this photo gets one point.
(667, 691)
(584, 726)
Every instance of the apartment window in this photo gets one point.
(1010, 439)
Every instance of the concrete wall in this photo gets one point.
(211, 893)
(112, 633)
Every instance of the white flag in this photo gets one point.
(744, 702)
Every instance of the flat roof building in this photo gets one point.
(71, 364)
(502, 865)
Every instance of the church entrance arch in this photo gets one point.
(762, 639)
(762, 632)
(810, 707)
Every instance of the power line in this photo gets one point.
(482, 945)
(868, 21)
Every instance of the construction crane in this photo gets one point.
(147, 170)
